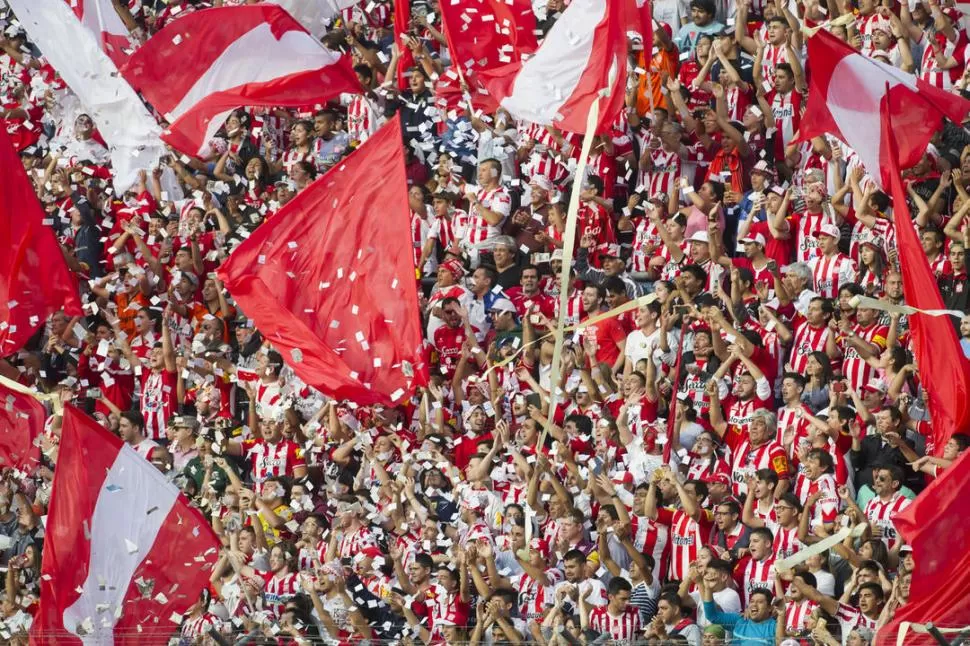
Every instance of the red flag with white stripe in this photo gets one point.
(846, 98)
(124, 554)
(582, 56)
(202, 66)
(329, 283)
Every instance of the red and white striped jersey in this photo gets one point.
(933, 73)
(866, 25)
(651, 537)
(882, 234)
(757, 575)
(533, 597)
(448, 229)
(195, 627)
(278, 590)
(159, 396)
(830, 273)
(575, 312)
(671, 268)
(788, 417)
(881, 513)
(767, 517)
(293, 156)
(808, 339)
(497, 200)
(623, 629)
(786, 541)
(854, 367)
(362, 118)
(646, 244)
(356, 541)
(827, 507)
(787, 110)
(547, 166)
(308, 557)
(808, 225)
(419, 235)
(444, 606)
(667, 167)
(746, 460)
(687, 536)
(268, 460)
(850, 617)
(145, 448)
(774, 54)
(740, 413)
(798, 613)
(941, 265)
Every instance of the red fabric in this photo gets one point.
(148, 539)
(938, 592)
(402, 23)
(846, 88)
(21, 422)
(935, 346)
(207, 63)
(34, 279)
(334, 248)
(476, 44)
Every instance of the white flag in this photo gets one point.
(315, 15)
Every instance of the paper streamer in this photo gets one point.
(826, 543)
(886, 306)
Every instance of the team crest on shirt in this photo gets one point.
(778, 463)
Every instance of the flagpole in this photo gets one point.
(569, 243)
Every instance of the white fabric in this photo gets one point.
(547, 80)
(855, 113)
(315, 15)
(123, 530)
(129, 130)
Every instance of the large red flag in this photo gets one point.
(21, 423)
(34, 279)
(482, 34)
(124, 554)
(329, 280)
(583, 56)
(944, 371)
(846, 92)
(935, 524)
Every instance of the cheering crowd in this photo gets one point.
(748, 408)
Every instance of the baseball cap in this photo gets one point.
(541, 181)
(540, 545)
(828, 229)
(876, 386)
(556, 254)
(185, 421)
(716, 630)
(756, 238)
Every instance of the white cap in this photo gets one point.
(829, 229)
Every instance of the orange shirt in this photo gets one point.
(662, 65)
(127, 309)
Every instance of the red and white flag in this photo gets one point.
(329, 280)
(846, 94)
(101, 19)
(124, 554)
(583, 55)
(35, 281)
(202, 66)
(21, 421)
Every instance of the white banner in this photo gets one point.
(131, 133)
